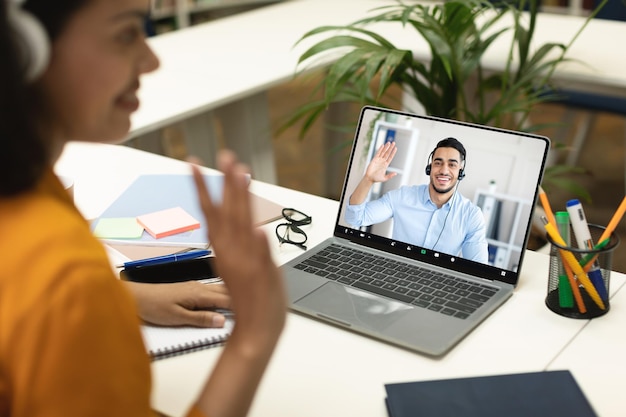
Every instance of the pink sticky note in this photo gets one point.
(168, 222)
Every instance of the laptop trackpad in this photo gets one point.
(354, 307)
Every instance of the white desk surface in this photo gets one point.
(597, 359)
(320, 370)
(216, 63)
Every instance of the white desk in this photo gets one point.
(597, 359)
(320, 370)
(224, 68)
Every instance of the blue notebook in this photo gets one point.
(150, 193)
(533, 394)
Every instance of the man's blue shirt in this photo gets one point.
(418, 221)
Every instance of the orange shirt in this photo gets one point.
(69, 333)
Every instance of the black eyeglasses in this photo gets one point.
(290, 231)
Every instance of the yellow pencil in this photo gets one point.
(546, 206)
(545, 203)
(574, 265)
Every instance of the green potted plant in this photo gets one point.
(453, 83)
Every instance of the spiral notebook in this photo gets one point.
(164, 342)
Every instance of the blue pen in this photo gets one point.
(583, 238)
(167, 258)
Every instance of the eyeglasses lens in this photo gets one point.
(290, 233)
(296, 217)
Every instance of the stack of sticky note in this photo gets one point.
(158, 224)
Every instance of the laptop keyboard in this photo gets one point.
(436, 291)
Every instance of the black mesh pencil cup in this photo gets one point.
(585, 294)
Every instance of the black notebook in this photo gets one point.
(536, 394)
(163, 342)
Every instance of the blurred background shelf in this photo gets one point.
(300, 163)
(305, 164)
(175, 14)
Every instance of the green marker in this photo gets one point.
(566, 297)
(585, 259)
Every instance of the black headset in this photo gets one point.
(448, 143)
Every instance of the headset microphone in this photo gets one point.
(448, 143)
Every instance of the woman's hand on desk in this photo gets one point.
(181, 303)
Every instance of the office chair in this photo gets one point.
(588, 105)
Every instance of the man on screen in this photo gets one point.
(434, 215)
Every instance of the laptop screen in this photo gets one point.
(453, 194)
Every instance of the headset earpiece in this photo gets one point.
(429, 166)
(461, 174)
(31, 38)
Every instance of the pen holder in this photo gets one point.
(580, 300)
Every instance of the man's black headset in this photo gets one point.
(448, 143)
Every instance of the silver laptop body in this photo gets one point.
(503, 170)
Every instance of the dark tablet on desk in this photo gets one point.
(532, 394)
(188, 270)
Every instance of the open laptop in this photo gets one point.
(420, 297)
